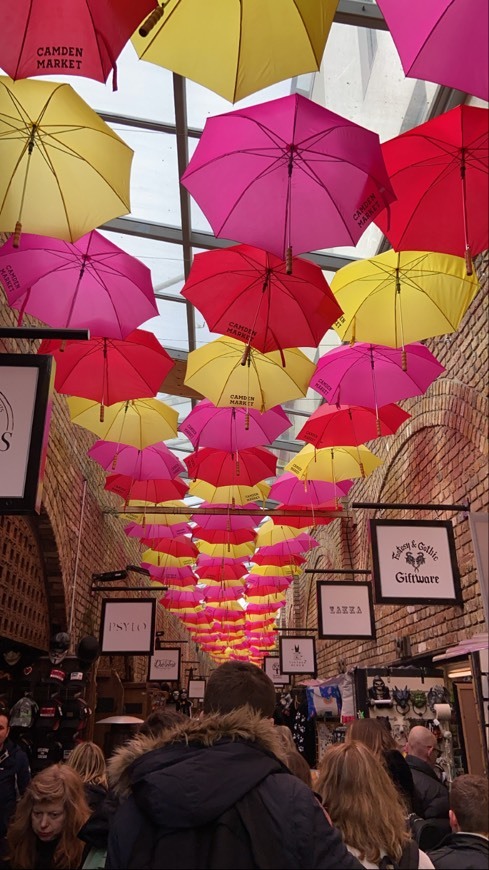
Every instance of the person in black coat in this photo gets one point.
(213, 792)
(432, 795)
(467, 847)
(15, 774)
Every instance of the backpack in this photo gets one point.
(424, 832)
(409, 859)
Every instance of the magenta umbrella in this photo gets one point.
(288, 489)
(446, 41)
(233, 520)
(233, 428)
(171, 574)
(89, 284)
(156, 532)
(156, 461)
(294, 546)
(373, 375)
(288, 174)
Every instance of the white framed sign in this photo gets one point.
(479, 528)
(128, 626)
(164, 665)
(271, 666)
(26, 391)
(345, 610)
(414, 562)
(297, 655)
(196, 689)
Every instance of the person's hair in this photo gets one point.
(469, 800)
(56, 783)
(5, 713)
(296, 762)
(89, 762)
(235, 684)
(161, 720)
(373, 733)
(362, 801)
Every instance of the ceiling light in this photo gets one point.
(460, 672)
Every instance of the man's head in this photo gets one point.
(235, 684)
(4, 727)
(423, 744)
(469, 804)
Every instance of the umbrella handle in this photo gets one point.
(152, 21)
(17, 234)
(404, 360)
(288, 260)
(102, 412)
(468, 261)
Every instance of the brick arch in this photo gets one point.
(52, 570)
(24, 605)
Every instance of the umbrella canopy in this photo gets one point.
(231, 495)
(166, 560)
(434, 41)
(221, 572)
(153, 491)
(267, 585)
(291, 547)
(109, 370)
(233, 428)
(138, 422)
(223, 536)
(395, 298)
(154, 532)
(64, 171)
(288, 570)
(98, 286)
(372, 375)
(237, 551)
(333, 463)
(171, 574)
(82, 38)
(349, 425)
(174, 547)
(264, 380)
(232, 520)
(146, 517)
(289, 490)
(236, 49)
(441, 162)
(154, 462)
(302, 517)
(267, 559)
(288, 174)
(246, 293)
(223, 468)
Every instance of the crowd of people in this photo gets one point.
(230, 790)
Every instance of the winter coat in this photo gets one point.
(221, 767)
(462, 851)
(15, 776)
(432, 796)
(401, 776)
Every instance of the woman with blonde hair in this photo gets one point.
(43, 835)
(89, 762)
(296, 762)
(363, 803)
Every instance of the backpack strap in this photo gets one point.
(410, 856)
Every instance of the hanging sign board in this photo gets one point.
(479, 527)
(26, 390)
(271, 666)
(196, 689)
(164, 666)
(297, 655)
(414, 562)
(128, 626)
(345, 610)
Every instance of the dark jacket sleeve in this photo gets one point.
(22, 771)
(124, 829)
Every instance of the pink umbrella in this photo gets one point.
(151, 463)
(288, 173)
(171, 574)
(267, 585)
(294, 546)
(232, 428)
(373, 375)
(156, 532)
(215, 594)
(205, 561)
(232, 520)
(89, 284)
(288, 489)
(154, 491)
(445, 42)
(220, 572)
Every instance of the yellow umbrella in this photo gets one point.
(138, 422)
(333, 463)
(232, 495)
(275, 570)
(166, 560)
(234, 550)
(270, 533)
(237, 48)
(64, 171)
(146, 517)
(231, 374)
(396, 298)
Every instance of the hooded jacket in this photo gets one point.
(181, 783)
(15, 776)
(432, 796)
(470, 851)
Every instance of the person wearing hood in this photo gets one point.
(214, 792)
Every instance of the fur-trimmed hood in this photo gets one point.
(194, 771)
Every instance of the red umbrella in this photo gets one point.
(174, 547)
(223, 468)
(154, 491)
(439, 173)
(79, 38)
(350, 425)
(278, 559)
(224, 536)
(233, 519)
(221, 572)
(108, 370)
(300, 520)
(246, 293)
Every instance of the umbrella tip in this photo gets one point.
(151, 21)
(17, 234)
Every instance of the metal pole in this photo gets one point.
(128, 588)
(335, 571)
(44, 332)
(224, 511)
(410, 507)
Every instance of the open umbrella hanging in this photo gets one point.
(303, 517)
(349, 425)
(138, 422)
(231, 520)
(98, 286)
(288, 489)
(333, 463)
(64, 171)
(156, 531)
(439, 172)
(231, 495)
(154, 491)
(223, 535)
(154, 462)
(237, 551)
(288, 176)
(236, 49)
(224, 468)
(232, 428)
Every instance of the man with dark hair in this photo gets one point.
(214, 793)
(467, 847)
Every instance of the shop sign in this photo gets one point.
(345, 610)
(164, 665)
(196, 689)
(128, 626)
(271, 666)
(479, 527)
(297, 655)
(415, 562)
(26, 390)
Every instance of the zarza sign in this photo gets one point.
(414, 562)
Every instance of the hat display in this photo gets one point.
(23, 713)
(59, 647)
